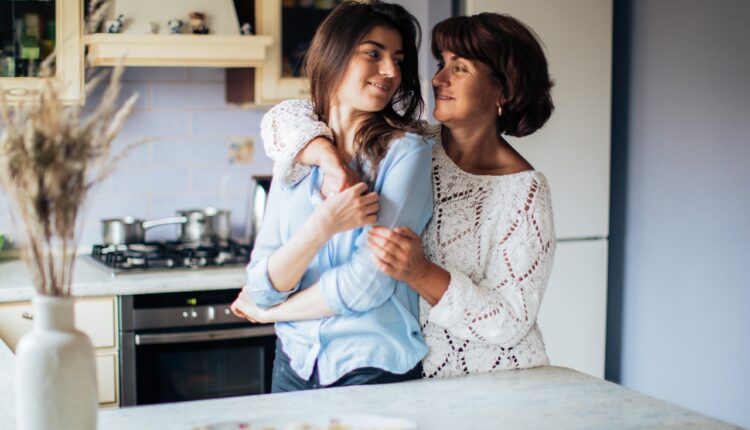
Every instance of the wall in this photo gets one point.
(186, 164)
(681, 236)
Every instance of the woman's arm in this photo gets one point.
(398, 253)
(502, 306)
(304, 305)
(294, 139)
(353, 208)
(405, 189)
(276, 268)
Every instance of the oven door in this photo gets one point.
(179, 366)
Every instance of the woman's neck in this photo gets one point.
(344, 122)
(471, 147)
(480, 151)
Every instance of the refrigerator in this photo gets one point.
(573, 151)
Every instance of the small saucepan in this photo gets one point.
(208, 225)
(129, 230)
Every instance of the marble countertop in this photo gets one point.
(547, 397)
(550, 397)
(93, 279)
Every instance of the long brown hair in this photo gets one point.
(326, 63)
(513, 52)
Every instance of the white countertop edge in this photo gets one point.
(90, 279)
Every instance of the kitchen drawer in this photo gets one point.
(106, 378)
(96, 317)
(93, 316)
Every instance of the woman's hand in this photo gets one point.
(244, 307)
(337, 175)
(347, 210)
(398, 253)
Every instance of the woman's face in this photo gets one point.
(374, 71)
(466, 94)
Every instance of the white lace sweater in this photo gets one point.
(495, 236)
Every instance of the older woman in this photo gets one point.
(483, 262)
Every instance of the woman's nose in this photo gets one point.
(439, 79)
(389, 68)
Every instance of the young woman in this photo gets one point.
(349, 323)
(482, 264)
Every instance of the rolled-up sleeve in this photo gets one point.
(269, 240)
(405, 200)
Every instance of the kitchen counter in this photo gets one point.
(548, 397)
(93, 279)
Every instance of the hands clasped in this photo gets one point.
(244, 307)
(398, 253)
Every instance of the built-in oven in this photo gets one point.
(189, 346)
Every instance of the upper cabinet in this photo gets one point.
(170, 33)
(291, 24)
(30, 30)
(186, 50)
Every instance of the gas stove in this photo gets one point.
(170, 255)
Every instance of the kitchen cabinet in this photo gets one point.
(29, 32)
(223, 46)
(94, 316)
(185, 50)
(291, 26)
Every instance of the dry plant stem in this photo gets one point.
(50, 160)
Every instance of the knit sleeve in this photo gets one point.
(502, 306)
(285, 130)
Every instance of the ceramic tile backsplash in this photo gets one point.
(186, 161)
(206, 95)
(235, 122)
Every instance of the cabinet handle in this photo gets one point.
(27, 316)
(19, 92)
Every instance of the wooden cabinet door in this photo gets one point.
(93, 316)
(68, 45)
(291, 26)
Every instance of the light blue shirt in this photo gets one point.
(377, 318)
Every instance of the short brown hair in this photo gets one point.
(333, 46)
(515, 56)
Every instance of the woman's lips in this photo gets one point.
(382, 86)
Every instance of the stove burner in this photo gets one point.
(168, 255)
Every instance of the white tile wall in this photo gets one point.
(186, 162)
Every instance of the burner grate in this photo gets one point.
(168, 255)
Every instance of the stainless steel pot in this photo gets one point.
(128, 230)
(260, 188)
(209, 225)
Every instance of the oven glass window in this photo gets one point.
(200, 370)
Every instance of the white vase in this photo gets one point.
(55, 371)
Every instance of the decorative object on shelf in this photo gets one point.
(115, 25)
(51, 158)
(247, 29)
(152, 28)
(175, 26)
(198, 22)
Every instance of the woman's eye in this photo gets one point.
(372, 54)
(458, 69)
(440, 66)
(399, 62)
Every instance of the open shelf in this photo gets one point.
(185, 50)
